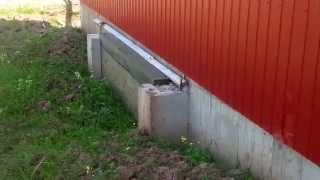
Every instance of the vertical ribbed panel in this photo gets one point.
(259, 56)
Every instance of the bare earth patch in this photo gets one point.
(152, 163)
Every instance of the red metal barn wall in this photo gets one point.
(259, 56)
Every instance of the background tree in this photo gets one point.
(69, 11)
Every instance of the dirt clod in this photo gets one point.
(37, 27)
(44, 106)
(63, 46)
(69, 98)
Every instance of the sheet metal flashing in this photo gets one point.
(174, 77)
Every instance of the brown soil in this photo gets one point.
(37, 27)
(64, 45)
(155, 164)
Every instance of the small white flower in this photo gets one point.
(77, 74)
(88, 169)
(183, 139)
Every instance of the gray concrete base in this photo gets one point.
(122, 81)
(229, 135)
(235, 139)
(94, 55)
(163, 111)
(87, 16)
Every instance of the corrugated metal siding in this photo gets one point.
(259, 56)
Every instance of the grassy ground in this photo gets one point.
(56, 122)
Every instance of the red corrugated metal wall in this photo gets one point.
(259, 56)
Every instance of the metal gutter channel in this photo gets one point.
(174, 77)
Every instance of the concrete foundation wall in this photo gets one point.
(239, 142)
(87, 15)
(214, 125)
(126, 85)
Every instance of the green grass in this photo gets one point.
(28, 133)
(56, 122)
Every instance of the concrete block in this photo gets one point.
(94, 55)
(122, 81)
(163, 111)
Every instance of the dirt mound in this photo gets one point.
(152, 163)
(62, 46)
(37, 27)
(17, 25)
(71, 45)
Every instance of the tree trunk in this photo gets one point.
(69, 12)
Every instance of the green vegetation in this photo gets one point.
(56, 122)
(49, 106)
